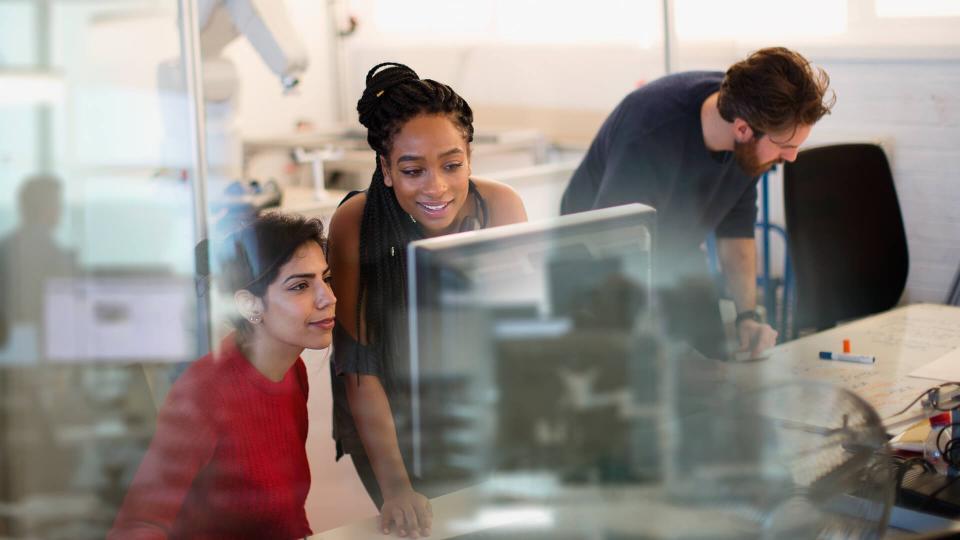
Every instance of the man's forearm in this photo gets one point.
(738, 258)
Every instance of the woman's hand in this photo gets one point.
(408, 513)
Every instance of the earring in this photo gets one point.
(393, 252)
(412, 218)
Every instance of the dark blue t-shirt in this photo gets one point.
(650, 150)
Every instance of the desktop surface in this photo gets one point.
(489, 511)
(902, 340)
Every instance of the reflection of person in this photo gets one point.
(228, 458)
(421, 131)
(692, 145)
(30, 256)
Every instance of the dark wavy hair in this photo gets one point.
(394, 94)
(251, 257)
(775, 89)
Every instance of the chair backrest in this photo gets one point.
(845, 234)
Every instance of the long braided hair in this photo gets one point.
(394, 94)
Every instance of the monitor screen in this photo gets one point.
(124, 318)
(562, 363)
(522, 338)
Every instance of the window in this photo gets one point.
(751, 20)
(17, 43)
(917, 8)
(517, 21)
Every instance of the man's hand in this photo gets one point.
(755, 337)
(407, 513)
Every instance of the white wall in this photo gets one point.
(537, 76)
(915, 104)
(262, 107)
(905, 98)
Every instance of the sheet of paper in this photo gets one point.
(945, 368)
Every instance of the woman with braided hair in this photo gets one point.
(421, 131)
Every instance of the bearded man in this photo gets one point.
(693, 145)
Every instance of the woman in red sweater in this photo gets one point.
(228, 458)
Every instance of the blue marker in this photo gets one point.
(856, 358)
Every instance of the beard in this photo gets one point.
(746, 156)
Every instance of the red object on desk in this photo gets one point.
(941, 419)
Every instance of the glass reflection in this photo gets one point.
(96, 296)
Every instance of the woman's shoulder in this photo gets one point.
(205, 375)
(202, 376)
(503, 202)
(350, 210)
(344, 227)
(492, 190)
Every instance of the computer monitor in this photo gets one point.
(556, 309)
(122, 318)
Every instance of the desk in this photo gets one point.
(588, 512)
(583, 512)
(902, 340)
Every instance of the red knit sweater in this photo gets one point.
(228, 459)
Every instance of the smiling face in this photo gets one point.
(298, 306)
(429, 171)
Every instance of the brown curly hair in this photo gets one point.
(775, 89)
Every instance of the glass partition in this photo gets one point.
(97, 302)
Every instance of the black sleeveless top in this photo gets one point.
(350, 356)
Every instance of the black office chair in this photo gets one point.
(845, 234)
